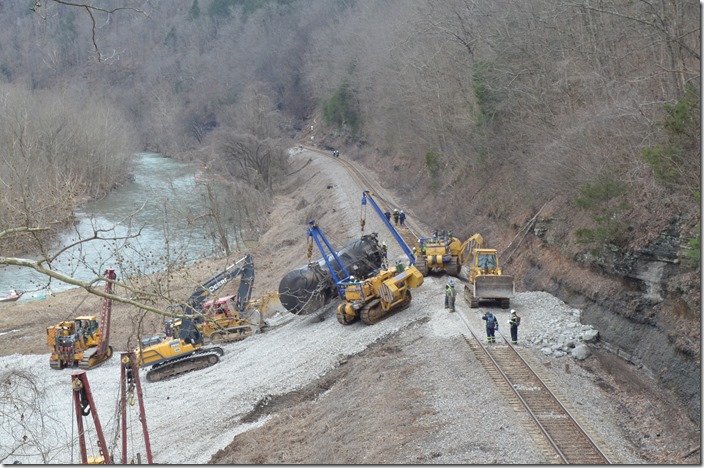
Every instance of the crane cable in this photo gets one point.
(363, 216)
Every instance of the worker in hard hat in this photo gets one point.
(450, 295)
(384, 255)
(514, 322)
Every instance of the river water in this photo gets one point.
(162, 201)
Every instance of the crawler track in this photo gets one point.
(202, 358)
(527, 392)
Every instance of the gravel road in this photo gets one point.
(466, 420)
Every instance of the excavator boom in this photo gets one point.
(194, 304)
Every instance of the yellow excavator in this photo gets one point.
(487, 281)
(84, 341)
(443, 252)
(177, 351)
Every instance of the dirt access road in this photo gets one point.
(406, 390)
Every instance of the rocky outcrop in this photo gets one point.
(644, 302)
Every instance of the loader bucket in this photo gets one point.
(494, 286)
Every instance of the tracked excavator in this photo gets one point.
(487, 281)
(228, 318)
(443, 252)
(177, 351)
(194, 304)
(84, 341)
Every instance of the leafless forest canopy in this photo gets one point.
(492, 106)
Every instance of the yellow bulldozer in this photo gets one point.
(443, 252)
(377, 296)
(84, 341)
(487, 281)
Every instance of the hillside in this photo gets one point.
(406, 390)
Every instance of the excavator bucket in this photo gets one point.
(494, 287)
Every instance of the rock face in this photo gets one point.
(645, 303)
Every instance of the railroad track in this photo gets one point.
(551, 424)
(409, 232)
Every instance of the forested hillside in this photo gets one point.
(567, 133)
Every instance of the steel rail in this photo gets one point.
(590, 444)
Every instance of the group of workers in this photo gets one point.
(399, 217)
(492, 322)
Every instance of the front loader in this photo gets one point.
(487, 281)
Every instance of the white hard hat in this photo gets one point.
(513, 311)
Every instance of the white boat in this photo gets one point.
(13, 296)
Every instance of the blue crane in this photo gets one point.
(314, 233)
(367, 195)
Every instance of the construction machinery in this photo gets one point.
(443, 252)
(84, 341)
(387, 291)
(177, 351)
(129, 383)
(305, 290)
(194, 304)
(378, 294)
(84, 406)
(229, 319)
(487, 281)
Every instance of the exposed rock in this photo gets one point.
(581, 352)
(590, 336)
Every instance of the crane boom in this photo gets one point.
(316, 234)
(367, 195)
(105, 314)
(84, 405)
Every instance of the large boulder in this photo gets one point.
(581, 352)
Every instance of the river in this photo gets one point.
(162, 201)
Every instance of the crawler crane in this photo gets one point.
(443, 252)
(382, 292)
